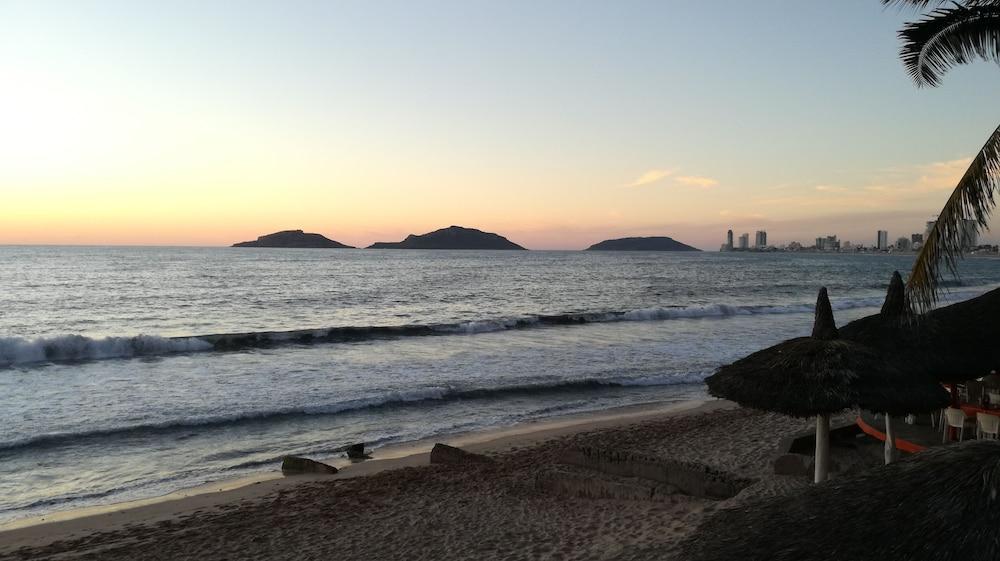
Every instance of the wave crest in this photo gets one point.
(15, 351)
(385, 400)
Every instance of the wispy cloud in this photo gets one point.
(924, 178)
(697, 181)
(651, 176)
(830, 188)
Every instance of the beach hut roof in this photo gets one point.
(800, 377)
(950, 344)
(895, 305)
(940, 505)
(823, 374)
(900, 390)
(963, 337)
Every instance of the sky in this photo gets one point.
(555, 123)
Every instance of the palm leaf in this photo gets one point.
(972, 199)
(948, 37)
(924, 4)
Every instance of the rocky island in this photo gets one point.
(453, 237)
(294, 239)
(654, 243)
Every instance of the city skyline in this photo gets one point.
(883, 240)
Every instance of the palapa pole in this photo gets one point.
(890, 440)
(822, 470)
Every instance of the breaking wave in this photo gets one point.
(386, 400)
(15, 351)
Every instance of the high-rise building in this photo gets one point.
(903, 244)
(760, 239)
(744, 241)
(916, 238)
(929, 227)
(729, 239)
(829, 243)
(883, 240)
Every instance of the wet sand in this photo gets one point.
(400, 507)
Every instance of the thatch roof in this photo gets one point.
(899, 393)
(900, 390)
(964, 337)
(895, 304)
(938, 505)
(822, 374)
(950, 344)
(800, 377)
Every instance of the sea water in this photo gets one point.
(131, 372)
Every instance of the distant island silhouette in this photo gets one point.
(654, 243)
(453, 237)
(294, 239)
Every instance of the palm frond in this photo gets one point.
(972, 199)
(924, 4)
(948, 37)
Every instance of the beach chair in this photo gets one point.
(954, 418)
(987, 425)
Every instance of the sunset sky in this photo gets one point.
(557, 124)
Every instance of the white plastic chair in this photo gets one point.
(987, 424)
(954, 418)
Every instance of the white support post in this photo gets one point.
(822, 448)
(890, 441)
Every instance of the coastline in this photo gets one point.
(226, 494)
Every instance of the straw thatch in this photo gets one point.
(964, 337)
(938, 505)
(802, 377)
(900, 390)
(898, 393)
(896, 304)
(950, 344)
(824, 327)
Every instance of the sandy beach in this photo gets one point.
(401, 507)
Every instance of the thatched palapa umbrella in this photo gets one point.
(952, 344)
(938, 505)
(898, 391)
(802, 377)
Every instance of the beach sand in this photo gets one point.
(401, 507)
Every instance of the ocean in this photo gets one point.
(128, 373)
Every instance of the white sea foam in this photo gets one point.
(17, 350)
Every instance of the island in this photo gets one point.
(294, 239)
(654, 243)
(453, 237)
